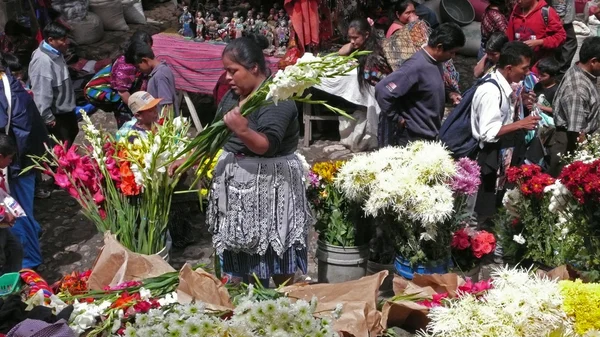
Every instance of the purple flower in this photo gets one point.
(314, 179)
(467, 178)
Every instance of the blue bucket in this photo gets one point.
(406, 270)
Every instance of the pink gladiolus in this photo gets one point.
(58, 150)
(61, 179)
(71, 156)
(73, 192)
(98, 197)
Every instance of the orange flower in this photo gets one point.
(125, 301)
(128, 185)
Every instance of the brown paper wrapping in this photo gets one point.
(198, 285)
(410, 315)
(560, 273)
(360, 317)
(117, 264)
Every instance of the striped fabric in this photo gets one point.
(197, 66)
(266, 265)
(98, 90)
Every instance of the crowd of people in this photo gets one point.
(39, 107)
(526, 86)
(526, 81)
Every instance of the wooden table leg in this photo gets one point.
(191, 108)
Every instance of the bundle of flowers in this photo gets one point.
(469, 246)
(527, 230)
(558, 225)
(335, 214)
(122, 186)
(419, 190)
(289, 83)
(517, 304)
(582, 305)
(251, 318)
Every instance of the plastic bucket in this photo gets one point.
(406, 270)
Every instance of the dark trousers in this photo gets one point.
(565, 54)
(562, 142)
(66, 127)
(11, 252)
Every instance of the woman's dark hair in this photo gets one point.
(372, 44)
(8, 147)
(260, 40)
(501, 4)
(13, 28)
(246, 52)
(400, 7)
(11, 62)
(142, 36)
(139, 36)
(496, 42)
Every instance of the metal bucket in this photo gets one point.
(340, 264)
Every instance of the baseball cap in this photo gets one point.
(141, 100)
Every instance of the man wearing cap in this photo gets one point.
(144, 109)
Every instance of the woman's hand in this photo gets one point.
(176, 164)
(234, 120)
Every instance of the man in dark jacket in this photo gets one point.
(412, 98)
(26, 127)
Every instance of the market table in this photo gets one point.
(360, 134)
(197, 66)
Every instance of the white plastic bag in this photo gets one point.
(11, 205)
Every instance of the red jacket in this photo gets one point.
(523, 27)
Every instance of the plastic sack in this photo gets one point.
(111, 14)
(87, 31)
(11, 204)
(134, 12)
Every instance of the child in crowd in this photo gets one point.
(161, 82)
(11, 251)
(493, 46)
(144, 109)
(548, 69)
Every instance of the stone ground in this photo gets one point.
(70, 242)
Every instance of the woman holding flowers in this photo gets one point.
(258, 211)
(372, 67)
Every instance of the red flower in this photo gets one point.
(475, 288)
(102, 213)
(515, 222)
(460, 239)
(142, 307)
(435, 301)
(483, 243)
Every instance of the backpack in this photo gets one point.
(456, 132)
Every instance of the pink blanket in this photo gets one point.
(196, 65)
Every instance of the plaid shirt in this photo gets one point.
(493, 21)
(577, 102)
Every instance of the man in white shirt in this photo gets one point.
(494, 124)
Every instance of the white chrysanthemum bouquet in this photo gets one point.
(415, 189)
(519, 304)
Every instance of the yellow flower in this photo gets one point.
(582, 304)
(327, 169)
(323, 194)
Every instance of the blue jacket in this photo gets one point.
(27, 126)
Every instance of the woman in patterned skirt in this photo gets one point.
(258, 212)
